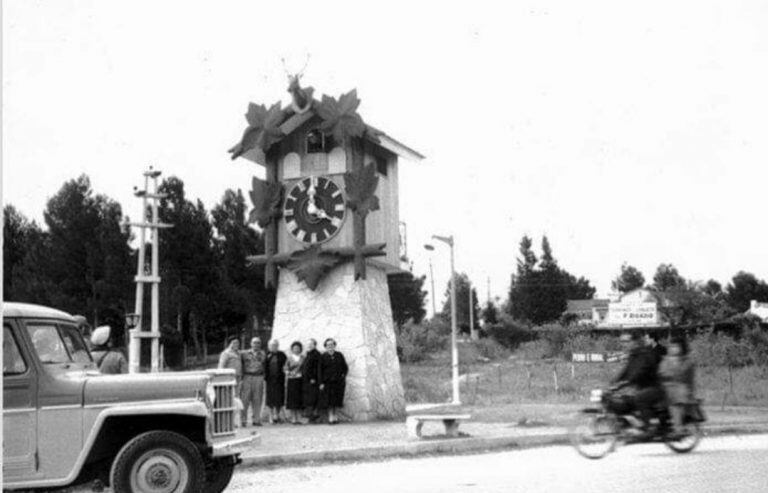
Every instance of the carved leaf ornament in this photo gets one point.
(312, 263)
(360, 186)
(263, 129)
(266, 198)
(340, 117)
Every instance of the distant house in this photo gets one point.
(588, 312)
(759, 309)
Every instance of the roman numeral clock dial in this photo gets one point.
(314, 210)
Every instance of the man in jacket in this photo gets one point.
(640, 378)
(252, 393)
(108, 359)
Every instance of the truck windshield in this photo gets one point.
(58, 343)
(48, 344)
(75, 344)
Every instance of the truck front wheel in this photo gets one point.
(158, 462)
(219, 474)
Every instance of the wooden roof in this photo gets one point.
(295, 120)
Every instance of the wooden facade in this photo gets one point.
(290, 161)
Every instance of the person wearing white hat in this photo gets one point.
(108, 359)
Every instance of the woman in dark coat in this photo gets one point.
(293, 367)
(333, 374)
(310, 374)
(274, 377)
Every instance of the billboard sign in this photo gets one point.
(632, 314)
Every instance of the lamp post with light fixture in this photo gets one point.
(448, 240)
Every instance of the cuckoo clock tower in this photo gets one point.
(329, 211)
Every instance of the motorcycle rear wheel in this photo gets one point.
(594, 435)
(686, 441)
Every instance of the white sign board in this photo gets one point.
(632, 314)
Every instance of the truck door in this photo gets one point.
(59, 396)
(19, 408)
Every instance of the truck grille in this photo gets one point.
(224, 405)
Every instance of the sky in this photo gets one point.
(625, 132)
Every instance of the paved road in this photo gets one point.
(725, 464)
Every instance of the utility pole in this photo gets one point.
(488, 280)
(153, 278)
(472, 332)
(448, 240)
(432, 281)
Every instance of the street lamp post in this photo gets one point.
(448, 240)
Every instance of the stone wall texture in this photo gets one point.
(358, 315)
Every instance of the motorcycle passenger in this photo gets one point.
(652, 341)
(638, 381)
(677, 373)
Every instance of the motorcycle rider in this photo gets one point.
(637, 386)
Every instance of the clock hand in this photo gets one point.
(312, 206)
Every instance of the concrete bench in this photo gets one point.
(450, 421)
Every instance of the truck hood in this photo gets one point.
(114, 389)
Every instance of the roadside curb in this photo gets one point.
(449, 446)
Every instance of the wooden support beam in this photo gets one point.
(374, 250)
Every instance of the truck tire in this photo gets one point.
(219, 474)
(158, 462)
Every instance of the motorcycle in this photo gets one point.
(598, 430)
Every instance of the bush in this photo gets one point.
(489, 348)
(416, 342)
(556, 338)
(581, 342)
(718, 349)
(510, 334)
(533, 350)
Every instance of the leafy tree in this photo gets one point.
(407, 295)
(629, 279)
(235, 241)
(713, 288)
(89, 260)
(667, 277)
(743, 288)
(18, 236)
(490, 314)
(690, 304)
(462, 303)
(190, 267)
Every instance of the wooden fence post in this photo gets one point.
(528, 372)
(554, 375)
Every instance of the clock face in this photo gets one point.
(314, 210)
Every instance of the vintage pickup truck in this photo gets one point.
(65, 423)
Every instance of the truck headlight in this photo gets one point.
(210, 393)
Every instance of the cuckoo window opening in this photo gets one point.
(381, 165)
(317, 141)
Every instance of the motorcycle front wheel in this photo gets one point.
(684, 441)
(594, 435)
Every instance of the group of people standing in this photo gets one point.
(299, 385)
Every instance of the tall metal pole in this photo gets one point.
(155, 327)
(454, 347)
(432, 281)
(134, 348)
(472, 332)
